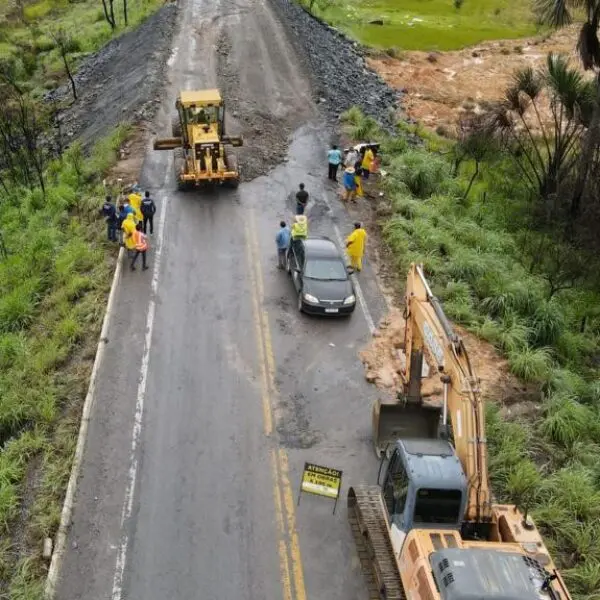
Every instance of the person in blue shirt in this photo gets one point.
(334, 156)
(282, 240)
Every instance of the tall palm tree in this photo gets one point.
(560, 13)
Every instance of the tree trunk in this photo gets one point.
(125, 12)
(587, 153)
(107, 15)
(113, 22)
(69, 74)
(472, 180)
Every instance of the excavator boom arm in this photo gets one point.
(428, 328)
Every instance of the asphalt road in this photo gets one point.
(214, 391)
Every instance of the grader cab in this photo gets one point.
(203, 152)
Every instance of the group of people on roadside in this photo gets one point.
(287, 238)
(128, 224)
(358, 166)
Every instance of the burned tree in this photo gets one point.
(64, 42)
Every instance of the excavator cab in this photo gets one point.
(414, 493)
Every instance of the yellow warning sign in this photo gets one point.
(322, 481)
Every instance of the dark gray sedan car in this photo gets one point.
(320, 277)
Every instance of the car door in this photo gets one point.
(297, 269)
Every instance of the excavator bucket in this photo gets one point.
(168, 143)
(395, 420)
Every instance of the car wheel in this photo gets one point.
(300, 306)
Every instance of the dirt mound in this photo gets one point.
(440, 87)
(384, 361)
(337, 65)
(120, 82)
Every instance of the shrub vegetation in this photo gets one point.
(32, 35)
(481, 252)
(53, 283)
(54, 271)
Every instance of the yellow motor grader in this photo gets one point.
(203, 152)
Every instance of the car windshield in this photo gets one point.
(325, 269)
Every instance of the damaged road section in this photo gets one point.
(337, 66)
(119, 83)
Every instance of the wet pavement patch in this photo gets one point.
(293, 423)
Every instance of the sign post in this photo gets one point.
(321, 481)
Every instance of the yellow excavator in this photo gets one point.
(430, 529)
(200, 142)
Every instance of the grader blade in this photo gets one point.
(168, 143)
(236, 142)
(398, 420)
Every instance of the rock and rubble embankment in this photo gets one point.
(338, 68)
(119, 83)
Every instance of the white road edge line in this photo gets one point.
(117, 588)
(67, 509)
(357, 287)
(353, 277)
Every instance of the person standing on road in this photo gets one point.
(129, 228)
(334, 156)
(282, 239)
(141, 246)
(122, 215)
(301, 200)
(148, 209)
(367, 161)
(135, 201)
(110, 213)
(357, 176)
(355, 246)
(351, 158)
(299, 232)
(349, 183)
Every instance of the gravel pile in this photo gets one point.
(120, 82)
(337, 65)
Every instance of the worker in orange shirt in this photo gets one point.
(141, 246)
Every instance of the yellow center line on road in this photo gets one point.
(266, 402)
(284, 499)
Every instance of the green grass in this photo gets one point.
(50, 315)
(431, 24)
(474, 256)
(28, 43)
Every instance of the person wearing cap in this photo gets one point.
(349, 183)
(355, 246)
(299, 232)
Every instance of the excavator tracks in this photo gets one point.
(370, 531)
